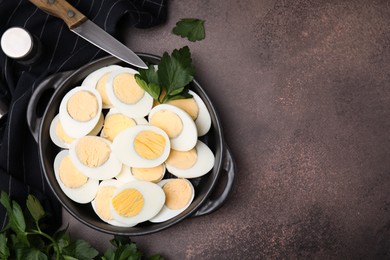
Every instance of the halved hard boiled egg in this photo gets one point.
(141, 146)
(126, 95)
(61, 139)
(73, 183)
(102, 201)
(178, 125)
(98, 80)
(191, 164)
(179, 193)
(152, 174)
(197, 109)
(114, 123)
(136, 201)
(80, 111)
(92, 155)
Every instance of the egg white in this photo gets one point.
(123, 147)
(167, 213)
(154, 199)
(107, 170)
(83, 194)
(139, 109)
(141, 121)
(125, 175)
(188, 137)
(204, 163)
(72, 127)
(116, 184)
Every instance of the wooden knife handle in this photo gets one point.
(61, 9)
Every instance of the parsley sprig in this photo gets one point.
(170, 80)
(24, 238)
(190, 28)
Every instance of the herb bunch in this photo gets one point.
(24, 238)
(170, 80)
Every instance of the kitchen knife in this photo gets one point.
(82, 26)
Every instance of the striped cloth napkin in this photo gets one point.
(20, 172)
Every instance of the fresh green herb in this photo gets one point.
(170, 81)
(20, 241)
(190, 28)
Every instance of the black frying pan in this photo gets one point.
(58, 85)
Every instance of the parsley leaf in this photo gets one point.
(35, 208)
(172, 77)
(190, 28)
(16, 222)
(4, 250)
(148, 80)
(175, 71)
(80, 249)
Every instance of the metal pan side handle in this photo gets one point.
(50, 83)
(211, 205)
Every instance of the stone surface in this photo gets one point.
(302, 89)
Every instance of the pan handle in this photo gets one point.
(211, 205)
(34, 118)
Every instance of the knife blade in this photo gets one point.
(85, 28)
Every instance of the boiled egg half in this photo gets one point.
(92, 155)
(114, 123)
(80, 111)
(136, 201)
(141, 146)
(191, 164)
(126, 95)
(59, 136)
(178, 125)
(179, 193)
(77, 186)
(102, 201)
(198, 111)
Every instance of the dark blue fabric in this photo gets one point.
(20, 172)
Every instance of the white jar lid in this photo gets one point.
(16, 42)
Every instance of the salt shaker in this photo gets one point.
(19, 44)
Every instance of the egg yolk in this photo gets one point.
(149, 144)
(189, 105)
(60, 132)
(101, 87)
(82, 106)
(114, 124)
(126, 88)
(178, 193)
(168, 121)
(102, 201)
(92, 152)
(153, 174)
(69, 175)
(182, 159)
(128, 203)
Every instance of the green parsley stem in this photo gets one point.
(53, 242)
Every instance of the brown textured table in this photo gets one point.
(303, 91)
